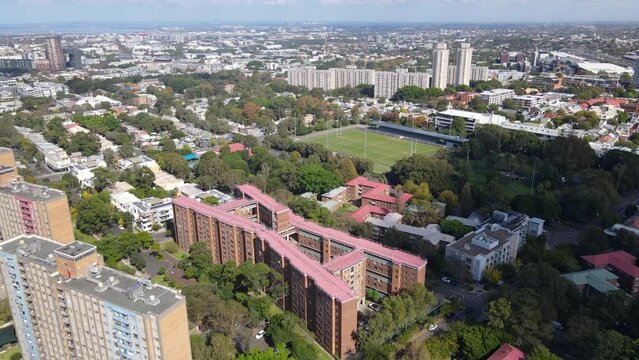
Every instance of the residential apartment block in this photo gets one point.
(497, 96)
(327, 271)
(8, 168)
(464, 65)
(386, 82)
(477, 251)
(479, 73)
(35, 210)
(440, 66)
(66, 305)
(150, 211)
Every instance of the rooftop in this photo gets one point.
(598, 279)
(106, 284)
(322, 278)
(31, 192)
(621, 260)
(507, 352)
(482, 241)
(75, 250)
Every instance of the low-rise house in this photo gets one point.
(123, 201)
(138, 162)
(83, 171)
(431, 233)
(167, 181)
(507, 352)
(490, 246)
(150, 211)
(619, 263)
(339, 195)
(598, 280)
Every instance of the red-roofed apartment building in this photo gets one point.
(507, 352)
(621, 264)
(327, 271)
(375, 194)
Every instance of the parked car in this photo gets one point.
(375, 307)
(432, 327)
(260, 334)
(446, 280)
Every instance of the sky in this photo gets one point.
(414, 11)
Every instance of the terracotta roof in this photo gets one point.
(367, 246)
(257, 195)
(345, 261)
(311, 268)
(621, 260)
(377, 191)
(507, 352)
(365, 211)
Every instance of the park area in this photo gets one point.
(382, 150)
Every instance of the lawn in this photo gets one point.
(11, 353)
(382, 150)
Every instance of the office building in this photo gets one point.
(54, 53)
(72, 58)
(66, 305)
(36, 210)
(464, 65)
(444, 119)
(487, 247)
(479, 73)
(497, 96)
(440, 66)
(326, 270)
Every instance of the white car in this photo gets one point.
(375, 307)
(260, 334)
(432, 327)
(446, 280)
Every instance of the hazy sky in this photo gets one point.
(60, 11)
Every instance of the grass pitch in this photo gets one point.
(382, 150)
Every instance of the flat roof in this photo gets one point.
(75, 249)
(466, 245)
(117, 287)
(31, 192)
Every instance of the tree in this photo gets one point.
(449, 198)
(420, 168)
(466, 202)
(541, 352)
(493, 275)
(5, 311)
(458, 127)
(137, 261)
(477, 342)
(167, 144)
(174, 164)
(143, 178)
(211, 200)
(454, 228)
(499, 311)
(87, 144)
(317, 179)
(94, 214)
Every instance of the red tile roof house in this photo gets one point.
(375, 194)
(621, 264)
(507, 352)
(234, 147)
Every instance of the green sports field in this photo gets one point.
(383, 150)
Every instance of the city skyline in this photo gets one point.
(14, 12)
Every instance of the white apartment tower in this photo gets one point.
(440, 66)
(464, 61)
(479, 73)
(386, 83)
